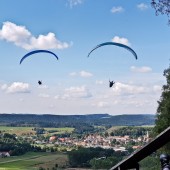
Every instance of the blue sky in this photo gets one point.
(75, 84)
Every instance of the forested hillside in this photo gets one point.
(76, 120)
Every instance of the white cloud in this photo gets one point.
(143, 69)
(43, 95)
(117, 9)
(85, 74)
(75, 93)
(43, 87)
(57, 97)
(142, 6)
(157, 88)
(122, 89)
(74, 2)
(21, 99)
(18, 87)
(81, 74)
(101, 104)
(122, 40)
(73, 74)
(99, 82)
(4, 86)
(125, 89)
(21, 37)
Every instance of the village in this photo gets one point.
(117, 143)
(56, 145)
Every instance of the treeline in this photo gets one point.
(75, 121)
(131, 131)
(13, 145)
(97, 158)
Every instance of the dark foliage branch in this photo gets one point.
(162, 7)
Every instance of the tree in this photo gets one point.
(151, 162)
(163, 110)
(161, 7)
(106, 163)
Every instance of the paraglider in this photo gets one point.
(37, 51)
(117, 44)
(40, 82)
(111, 83)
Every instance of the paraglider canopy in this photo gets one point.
(37, 51)
(116, 44)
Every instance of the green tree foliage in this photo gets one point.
(150, 163)
(131, 131)
(10, 143)
(161, 7)
(104, 163)
(81, 123)
(39, 130)
(83, 156)
(163, 110)
(9, 136)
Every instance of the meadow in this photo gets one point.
(19, 131)
(33, 161)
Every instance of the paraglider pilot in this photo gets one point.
(40, 82)
(111, 83)
(164, 159)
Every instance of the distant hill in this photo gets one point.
(48, 120)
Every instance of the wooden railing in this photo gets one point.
(132, 162)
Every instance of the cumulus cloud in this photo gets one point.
(122, 89)
(43, 87)
(75, 93)
(101, 104)
(4, 86)
(142, 6)
(143, 69)
(122, 40)
(81, 74)
(157, 88)
(85, 74)
(57, 97)
(117, 9)
(99, 82)
(21, 99)
(73, 3)
(43, 95)
(73, 74)
(18, 87)
(126, 89)
(21, 37)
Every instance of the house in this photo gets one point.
(137, 147)
(121, 149)
(4, 154)
(52, 138)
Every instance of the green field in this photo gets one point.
(113, 128)
(28, 130)
(59, 130)
(32, 161)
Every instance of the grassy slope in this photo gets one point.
(24, 130)
(32, 161)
